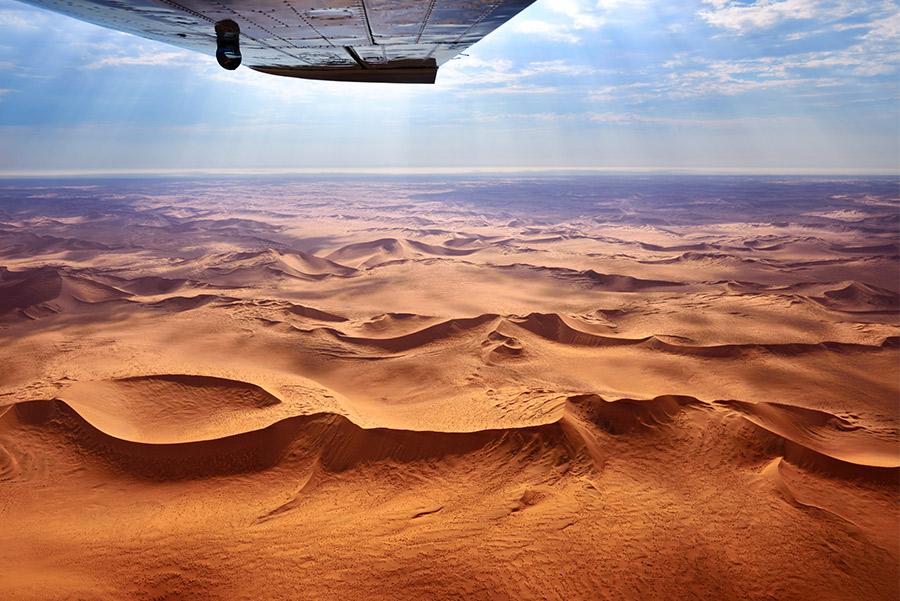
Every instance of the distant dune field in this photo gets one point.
(581, 387)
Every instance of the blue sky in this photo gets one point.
(765, 85)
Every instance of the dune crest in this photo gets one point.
(145, 423)
(170, 407)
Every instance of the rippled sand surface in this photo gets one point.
(524, 388)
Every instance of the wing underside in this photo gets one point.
(401, 41)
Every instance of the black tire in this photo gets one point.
(228, 51)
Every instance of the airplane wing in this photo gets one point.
(398, 41)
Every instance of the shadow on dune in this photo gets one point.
(580, 436)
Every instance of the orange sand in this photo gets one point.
(304, 398)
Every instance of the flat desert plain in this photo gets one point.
(580, 387)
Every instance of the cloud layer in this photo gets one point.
(605, 83)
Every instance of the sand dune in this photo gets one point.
(376, 252)
(27, 244)
(857, 296)
(543, 395)
(253, 268)
(149, 286)
(570, 331)
(824, 433)
(395, 322)
(161, 445)
(302, 263)
(857, 511)
(193, 426)
(36, 292)
(189, 303)
(170, 408)
(610, 282)
(434, 333)
(313, 313)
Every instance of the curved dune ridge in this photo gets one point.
(824, 433)
(501, 344)
(255, 268)
(27, 244)
(150, 285)
(431, 334)
(624, 416)
(187, 426)
(391, 322)
(371, 253)
(601, 281)
(258, 267)
(313, 313)
(172, 408)
(860, 297)
(703, 257)
(827, 496)
(176, 304)
(50, 289)
(337, 444)
(571, 331)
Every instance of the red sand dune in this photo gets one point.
(260, 399)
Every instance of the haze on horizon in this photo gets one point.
(763, 85)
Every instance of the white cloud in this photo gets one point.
(567, 20)
(886, 29)
(580, 14)
(872, 51)
(511, 89)
(759, 14)
(556, 32)
(19, 19)
(177, 57)
(557, 67)
(472, 76)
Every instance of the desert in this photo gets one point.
(450, 387)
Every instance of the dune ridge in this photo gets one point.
(174, 440)
(375, 252)
(823, 433)
(560, 329)
(51, 289)
(605, 281)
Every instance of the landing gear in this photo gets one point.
(228, 40)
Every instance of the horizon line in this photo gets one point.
(774, 171)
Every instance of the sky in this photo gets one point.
(707, 85)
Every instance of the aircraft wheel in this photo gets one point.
(228, 41)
